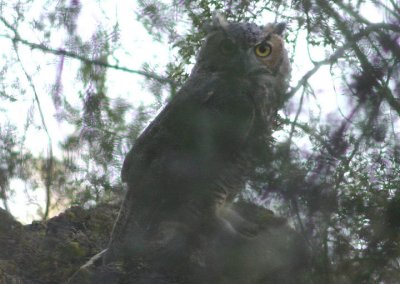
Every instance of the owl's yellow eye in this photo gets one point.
(263, 50)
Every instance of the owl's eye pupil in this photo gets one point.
(227, 46)
(262, 49)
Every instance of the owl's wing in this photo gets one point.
(208, 114)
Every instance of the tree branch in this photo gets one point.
(365, 63)
(49, 166)
(351, 42)
(18, 39)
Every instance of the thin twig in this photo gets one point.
(351, 42)
(365, 64)
(296, 118)
(49, 166)
(70, 54)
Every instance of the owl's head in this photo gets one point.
(243, 49)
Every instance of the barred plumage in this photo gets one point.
(198, 152)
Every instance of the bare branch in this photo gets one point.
(49, 166)
(17, 38)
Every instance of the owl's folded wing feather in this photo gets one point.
(207, 115)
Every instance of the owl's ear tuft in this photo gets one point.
(219, 21)
(280, 28)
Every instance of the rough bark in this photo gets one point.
(56, 252)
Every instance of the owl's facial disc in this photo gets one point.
(241, 49)
(268, 54)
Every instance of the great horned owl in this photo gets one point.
(196, 154)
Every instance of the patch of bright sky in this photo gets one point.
(138, 47)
